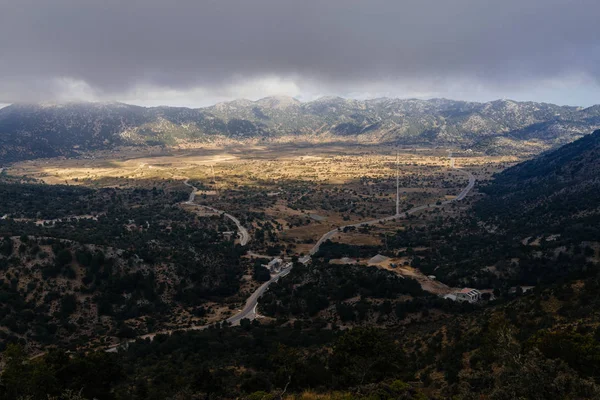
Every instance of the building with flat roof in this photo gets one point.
(468, 294)
(274, 265)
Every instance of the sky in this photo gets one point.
(198, 52)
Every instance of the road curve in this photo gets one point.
(243, 234)
(249, 309)
(413, 210)
(247, 312)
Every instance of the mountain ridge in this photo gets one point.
(557, 185)
(500, 126)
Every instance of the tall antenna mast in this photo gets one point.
(397, 185)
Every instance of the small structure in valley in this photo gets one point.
(228, 235)
(274, 265)
(470, 295)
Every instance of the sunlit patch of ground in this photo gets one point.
(323, 186)
(398, 265)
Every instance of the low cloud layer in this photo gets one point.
(192, 52)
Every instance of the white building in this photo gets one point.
(274, 265)
(470, 295)
(228, 235)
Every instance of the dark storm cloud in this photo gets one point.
(115, 45)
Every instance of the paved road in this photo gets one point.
(243, 234)
(332, 232)
(249, 309)
(466, 190)
(247, 312)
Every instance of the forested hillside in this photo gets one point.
(327, 331)
(553, 191)
(538, 222)
(543, 345)
(80, 266)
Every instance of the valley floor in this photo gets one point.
(285, 197)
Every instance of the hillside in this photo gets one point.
(503, 126)
(133, 261)
(538, 222)
(548, 191)
(80, 266)
(542, 345)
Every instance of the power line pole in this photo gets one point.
(397, 185)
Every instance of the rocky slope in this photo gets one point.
(503, 126)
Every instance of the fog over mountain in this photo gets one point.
(498, 127)
(196, 53)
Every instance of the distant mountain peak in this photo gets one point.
(498, 127)
(279, 102)
(234, 103)
(329, 99)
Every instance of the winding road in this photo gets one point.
(249, 309)
(243, 234)
(332, 232)
(247, 312)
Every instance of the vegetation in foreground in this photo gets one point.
(541, 345)
(535, 345)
